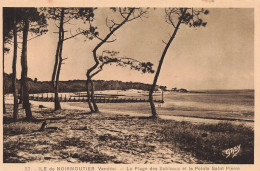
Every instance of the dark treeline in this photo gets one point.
(35, 86)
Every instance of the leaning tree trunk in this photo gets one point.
(21, 91)
(154, 113)
(92, 97)
(55, 87)
(89, 82)
(4, 109)
(95, 53)
(15, 107)
(21, 86)
(57, 105)
(24, 72)
(58, 63)
(4, 89)
(54, 82)
(89, 97)
(57, 100)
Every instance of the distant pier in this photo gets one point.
(82, 97)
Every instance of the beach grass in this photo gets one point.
(21, 127)
(210, 141)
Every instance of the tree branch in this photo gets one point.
(138, 16)
(164, 42)
(75, 35)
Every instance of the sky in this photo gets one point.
(218, 56)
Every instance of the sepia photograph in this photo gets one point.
(128, 85)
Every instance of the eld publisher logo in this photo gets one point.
(232, 151)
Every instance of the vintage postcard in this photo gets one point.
(130, 85)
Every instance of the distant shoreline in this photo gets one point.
(204, 90)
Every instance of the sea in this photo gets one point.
(211, 103)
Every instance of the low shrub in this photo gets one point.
(17, 128)
(212, 141)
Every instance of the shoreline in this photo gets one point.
(192, 119)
